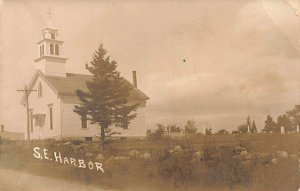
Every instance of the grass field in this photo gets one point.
(193, 163)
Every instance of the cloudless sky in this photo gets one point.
(215, 62)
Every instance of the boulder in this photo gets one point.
(274, 161)
(116, 159)
(67, 143)
(237, 150)
(245, 155)
(145, 156)
(171, 151)
(121, 158)
(282, 154)
(133, 153)
(110, 159)
(77, 147)
(88, 154)
(199, 154)
(99, 157)
(178, 149)
(266, 158)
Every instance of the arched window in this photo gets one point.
(40, 90)
(52, 36)
(42, 50)
(56, 50)
(51, 49)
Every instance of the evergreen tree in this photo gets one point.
(253, 127)
(270, 125)
(243, 128)
(190, 127)
(248, 123)
(106, 101)
(294, 116)
(285, 122)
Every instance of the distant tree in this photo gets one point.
(270, 125)
(285, 122)
(106, 101)
(248, 123)
(174, 128)
(294, 116)
(234, 132)
(208, 131)
(190, 127)
(243, 128)
(155, 134)
(253, 128)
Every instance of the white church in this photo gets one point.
(51, 106)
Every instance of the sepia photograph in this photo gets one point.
(150, 95)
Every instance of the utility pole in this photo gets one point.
(26, 91)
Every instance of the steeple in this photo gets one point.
(49, 60)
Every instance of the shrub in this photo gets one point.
(177, 167)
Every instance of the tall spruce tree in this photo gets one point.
(106, 101)
(253, 127)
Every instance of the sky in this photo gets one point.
(212, 61)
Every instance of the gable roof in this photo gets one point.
(69, 84)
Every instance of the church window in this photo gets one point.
(42, 50)
(52, 36)
(88, 138)
(40, 90)
(56, 50)
(84, 121)
(51, 116)
(51, 49)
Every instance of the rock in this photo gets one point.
(237, 150)
(133, 153)
(266, 158)
(171, 151)
(110, 159)
(99, 157)
(243, 153)
(178, 149)
(282, 154)
(121, 158)
(88, 154)
(67, 143)
(117, 159)
(77, 147)
(199, 154)
(145, 156)
(274, 161)
(247, 156)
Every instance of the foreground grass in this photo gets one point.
(217, 169)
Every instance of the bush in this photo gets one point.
(177, 167)
(225, 167)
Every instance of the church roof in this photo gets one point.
(66, 86)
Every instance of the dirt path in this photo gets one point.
(11, 180)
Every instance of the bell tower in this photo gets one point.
(50, 61)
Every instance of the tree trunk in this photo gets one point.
(102, 140)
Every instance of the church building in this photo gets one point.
(51, 106)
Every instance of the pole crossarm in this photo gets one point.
(27, 108)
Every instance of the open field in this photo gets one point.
(232, 162)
